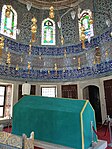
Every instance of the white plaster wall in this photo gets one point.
(80, 85)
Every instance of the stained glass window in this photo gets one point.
(85, 21)
(8, 21)
(48, 32)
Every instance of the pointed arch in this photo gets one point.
(85, 21)
(48, 32)
(9, 23)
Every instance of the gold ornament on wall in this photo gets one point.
(1, 45)
(62, 40)
(8, 11)
(106, 53)
(30, 46)
(17, 67)
(94, 61)
(91, 21)
(51, 12)
(79, 63)
(48, 73)
(8, 58)
(65, 53)
(97, 55)
(33, 29)
(29, 65)
(64, 70)
(83, 37)
(55, 68)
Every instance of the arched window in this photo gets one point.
(86, 21)
(48, 32)
(8, 21)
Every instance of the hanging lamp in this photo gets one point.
(33, 29)
(1, 45)
(51, 12)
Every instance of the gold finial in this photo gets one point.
(55, 68)
(97, 55)
(91, 21)
(62, 40)
(106, 53)
(30, 46)
(8, 11)
(8, 58)
(63, 70)
(48, 72)
(94, 62)
(17, 67)
(1, 42)
(79, 63)
(83, 36)
(51, 12)
(33, 29)
(1, 47)
(29, 65)
(65, 53)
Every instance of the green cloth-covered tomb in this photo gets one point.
(60, 121)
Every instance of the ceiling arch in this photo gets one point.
(57, 4)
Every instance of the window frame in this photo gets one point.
(3, 22)
(55, 87)
(4, 101)
(42, 32)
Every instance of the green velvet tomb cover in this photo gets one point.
(60, 121)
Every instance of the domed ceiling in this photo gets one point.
(57, 4)
(60, 62)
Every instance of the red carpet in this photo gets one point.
(103, 134)
(37, 148)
